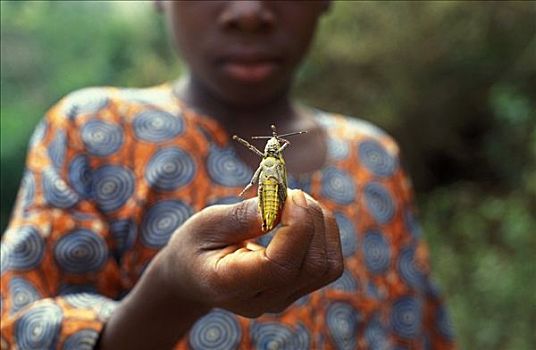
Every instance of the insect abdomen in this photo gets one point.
(269, 202)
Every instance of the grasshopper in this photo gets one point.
(271, 176)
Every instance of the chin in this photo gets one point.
(250, 95)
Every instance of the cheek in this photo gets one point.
(189, 27)
(300, 36)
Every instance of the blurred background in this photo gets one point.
(454, 82)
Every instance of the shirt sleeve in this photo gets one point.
(58, 276)
(417, 287)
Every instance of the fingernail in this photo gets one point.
(308, 196)
(298, 198)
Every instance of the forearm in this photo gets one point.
(150, 317)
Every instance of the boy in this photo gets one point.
(117, 204)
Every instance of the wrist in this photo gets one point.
(173, 290)
(152, 315)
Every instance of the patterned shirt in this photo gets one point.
(111, 173)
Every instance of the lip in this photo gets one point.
(250, 72)
(250, 66)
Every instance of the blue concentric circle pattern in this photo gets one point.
(101, 138)
(56, 190)
(67, 289)
(22, 293)
(338, 148)
(274, 335)
(225, 168)
(444, 324)
(38, 328)
(406, 317)
(345, 283)
(26, 248)
(80, 175)
(81, 251)
(379, 202)
(83, 300)
(157, 126)
(124, 233)
(373, 291)
(376, 159)
(218, 330)
(84, 339)
(112, 186)
(377, 252)
(348, 234)
(376, 334)
(338, 185)
(411, 223)
(57, 148)
(342, 320)
(169, 169)
(162, 220)
(409, 270)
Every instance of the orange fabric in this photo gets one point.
(111, 173)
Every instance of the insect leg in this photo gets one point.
(282, 188)
(254, 180)
(249, 146)
(285, 145)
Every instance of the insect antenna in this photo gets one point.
(293, 133)
(274, 134)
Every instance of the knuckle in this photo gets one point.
(307, 226)
(315, 210)
(316, 268)
(336, 270)
(239, 214)
(331, 224)
(317, 264)
(280, 272)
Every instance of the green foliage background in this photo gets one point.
(454, 82)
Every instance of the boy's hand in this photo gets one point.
(208, 262)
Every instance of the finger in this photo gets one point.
(333, 242)
(333, 247)
(254, 246)
(312, 269)
(275, 266)
(334, 260)
(315, 261)
(223, 225)
(292, 239)
(250, 267)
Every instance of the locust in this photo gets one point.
(271, 176)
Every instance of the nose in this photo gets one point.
(247, 16)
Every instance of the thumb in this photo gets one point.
(229, 224)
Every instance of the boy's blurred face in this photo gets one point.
(243, 52)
